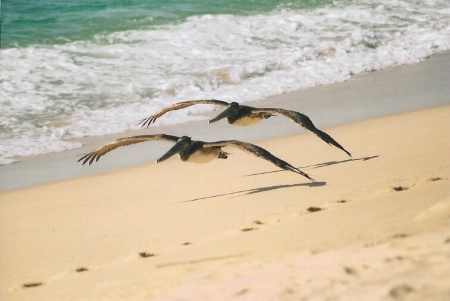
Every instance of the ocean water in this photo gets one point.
(80, 68)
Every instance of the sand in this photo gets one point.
(374, 227)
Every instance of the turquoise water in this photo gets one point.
(76, 68)
(26, 22)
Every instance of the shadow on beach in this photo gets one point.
(319, 165)
(257, 190)
(276, 187)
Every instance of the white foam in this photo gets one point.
(50, 94)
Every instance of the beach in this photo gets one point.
(375, 226)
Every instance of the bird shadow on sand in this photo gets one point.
(276, 187)
(319, 165)
(257, 190)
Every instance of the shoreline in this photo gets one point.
(371, 95)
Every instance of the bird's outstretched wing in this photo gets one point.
(95, 155)
(259, 152)
(181, 105)
(304, 121)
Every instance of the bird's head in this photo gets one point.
(184, 138)
(231, 110)
(183, 143)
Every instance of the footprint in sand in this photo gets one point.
(400, 235)
(83, 269)
(32, 284)
(342, 201)
(400, 291)
(146, 255)
(314, 209)
(252, 228)
(400, 188)
(248, 229)
(350, 271)
(403, 188)
(254, 225)
(36, 284)
(303, 211)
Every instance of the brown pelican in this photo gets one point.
(193, 151)
(237, 114)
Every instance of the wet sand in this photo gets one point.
(381, 93)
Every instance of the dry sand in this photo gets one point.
(240, 229)
(374, 227)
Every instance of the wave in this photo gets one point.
(50, 94)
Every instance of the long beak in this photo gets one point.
(177, 148)
(222, 115)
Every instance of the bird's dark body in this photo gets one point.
(242, 115)
(193, 150)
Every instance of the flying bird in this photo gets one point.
(242, 115)
(193, 151)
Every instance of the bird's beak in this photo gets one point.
(177, 148)
(228, 111)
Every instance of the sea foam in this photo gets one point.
(49, 94)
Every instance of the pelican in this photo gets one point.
(237, 114)
(193, 151)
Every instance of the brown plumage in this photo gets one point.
(237, 114)
(193, 151)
